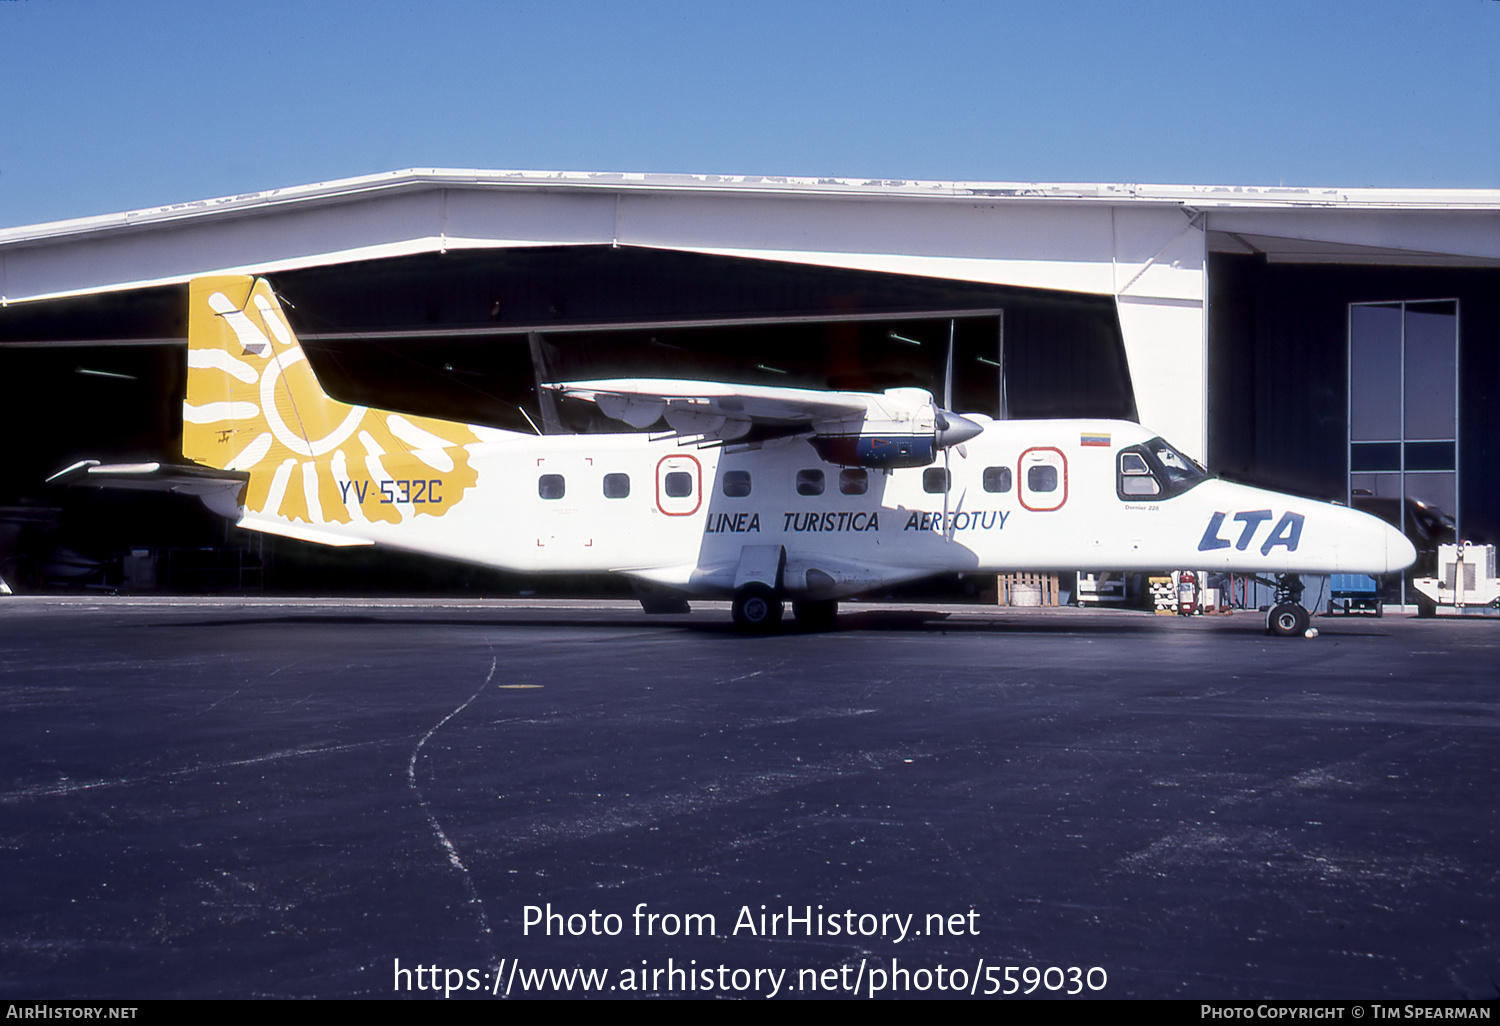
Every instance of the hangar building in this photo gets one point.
(1338, 343)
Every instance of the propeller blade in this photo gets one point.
(948, 370)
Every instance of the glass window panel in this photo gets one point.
(935, 480)
(1374, 372)
(1388, 485)
(617, 486)
(551, 486)
(1378, 494)
(1366, 456)
(997, 479)
(809, 482)
(736, 483)
(1431, 369)
(678, 484)
(1439, 489)
(854, 481)
(1429, 456)
(1041, 479)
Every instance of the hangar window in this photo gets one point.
(678, 484)
(736, 483)
(997, 479)
(551, 486)
(809, 482)
(1404, 444)
(616, 486)
(935, 480)
(854, 481)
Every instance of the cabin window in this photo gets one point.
(935, 480)
(678, 484)
(997, 479)
(551, 486)
(1041, 479)
(809, 482)
(736, 483)
(616, 486)
(854, 481)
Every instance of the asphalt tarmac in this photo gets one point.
(236, 799)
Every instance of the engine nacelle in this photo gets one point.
(904, 447)
(880, 452)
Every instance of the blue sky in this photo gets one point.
(112, 105)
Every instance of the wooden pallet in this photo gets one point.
(1027, 590)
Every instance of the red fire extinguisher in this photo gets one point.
(1187, 593)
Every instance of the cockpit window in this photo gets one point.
(1136, 480)
(1155, 470)
(1182, 471)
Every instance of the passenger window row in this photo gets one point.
(852, 481)
(616, 486)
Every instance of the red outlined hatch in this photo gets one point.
(1043, 476)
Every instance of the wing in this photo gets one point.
(900, 427)
(713, 410)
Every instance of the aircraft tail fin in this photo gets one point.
(253, 404)
(249, 386)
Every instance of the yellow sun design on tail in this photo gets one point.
(254, 404)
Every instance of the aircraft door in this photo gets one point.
(1043, 477)
(679, 485)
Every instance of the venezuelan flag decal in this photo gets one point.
(1090, 438)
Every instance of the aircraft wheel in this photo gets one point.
(1288, 620)
(756, 608)
(816, 616)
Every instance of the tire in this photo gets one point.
(757, 609)
(1288, 620)
(815, 616)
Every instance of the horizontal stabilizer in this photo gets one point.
(218, 489)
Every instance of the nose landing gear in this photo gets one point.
(1288, 617)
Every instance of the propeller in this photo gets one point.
(952, 430)
(945, 428)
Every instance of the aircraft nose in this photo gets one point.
(954, 430)
(1400, 553)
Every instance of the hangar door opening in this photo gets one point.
(1403, 421)
(958, 354)
(468, 335)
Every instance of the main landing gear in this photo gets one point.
(758, 609)
(1288, 617)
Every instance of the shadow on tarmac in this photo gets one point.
(876, 620)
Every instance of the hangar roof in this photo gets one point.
(401, 212)
(1199, 197)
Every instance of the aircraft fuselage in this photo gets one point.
(1023, 495)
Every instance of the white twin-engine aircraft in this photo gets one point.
(757, 494)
